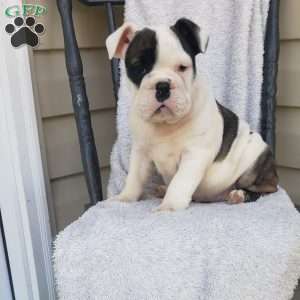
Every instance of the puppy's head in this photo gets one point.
(160, 64)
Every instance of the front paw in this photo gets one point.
(124, 197)
(173, 204)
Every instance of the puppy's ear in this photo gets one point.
(118, 42)
(192, 35)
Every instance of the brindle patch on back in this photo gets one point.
(230, 130)
(262, 177)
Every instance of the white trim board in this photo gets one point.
(23, 200)
(50, 200)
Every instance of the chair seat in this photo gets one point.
(209, 251)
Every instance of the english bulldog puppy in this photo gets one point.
(203, 151)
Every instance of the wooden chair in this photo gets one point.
(80, 101)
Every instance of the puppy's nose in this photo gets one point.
(162, 91)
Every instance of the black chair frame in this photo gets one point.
(80, 101)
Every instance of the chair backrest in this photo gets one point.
(80, 101)
(270, 69)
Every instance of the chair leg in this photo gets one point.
(80, 104)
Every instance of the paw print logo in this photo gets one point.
(25, 31)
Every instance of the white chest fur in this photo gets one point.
(166, 158)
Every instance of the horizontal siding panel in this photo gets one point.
(53, 84)
(90, 26)
(290, 180)
(290, 19)
(288, 137)
(71, 196)
(62, 145)
(289, 74)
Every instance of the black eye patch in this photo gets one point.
(187, 33)
(141, 55)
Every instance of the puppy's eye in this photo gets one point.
(182, 68)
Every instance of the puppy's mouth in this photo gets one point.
(162, 109)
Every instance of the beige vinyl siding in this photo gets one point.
(288, 101)
(67, 189)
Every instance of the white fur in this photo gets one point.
(183, 139)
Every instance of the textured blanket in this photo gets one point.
(120, 251)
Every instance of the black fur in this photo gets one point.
(251, 196)
(141, 55)
(230, 130)
(188, 35)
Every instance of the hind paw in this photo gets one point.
(236, 196)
